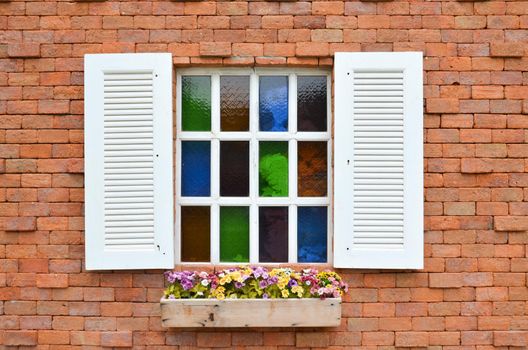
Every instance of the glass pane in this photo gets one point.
(273, 169)
(312, 169)
(312, 226)
(273, 104)
(273, 234)
(311, 103)
(234, 168)
(196, 168)
(234, 103)
(195, 234)
(196, 103)
(234, 234)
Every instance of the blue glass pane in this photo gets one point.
(196, 168)
(273, 103)
(312, 223)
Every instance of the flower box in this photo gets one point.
(303, 312)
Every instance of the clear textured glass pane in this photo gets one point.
(234, 234)
(196, 103)
(234, 168)
(234, 103)
(312, 224)
(273, 234)
(311, 103)
(196, 234)
(273, 103)
(273, 169)
(196, 169)
(312, 169)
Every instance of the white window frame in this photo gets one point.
(253, 201)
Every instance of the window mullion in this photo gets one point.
(215, 168)
(253, 171)
(292, 168)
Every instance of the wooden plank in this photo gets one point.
(251, 312)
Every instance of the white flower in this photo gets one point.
(205, 283)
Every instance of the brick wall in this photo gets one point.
(472, 293)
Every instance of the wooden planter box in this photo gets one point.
(251, 312)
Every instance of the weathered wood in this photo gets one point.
(251, 312)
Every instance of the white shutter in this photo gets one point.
(378, 212)
(128, 161)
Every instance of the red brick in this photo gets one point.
(21, 50)
(21, 224)
(20, 338)
(412, 339)
(510, 338)
(446, 280)
(52, 281)
(209, 339)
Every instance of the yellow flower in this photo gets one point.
(224, 280)
(236, 276)
(220, 296)
(297, 289)
(285, 293)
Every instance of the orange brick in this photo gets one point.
(116, 339)
(498, 49)
(511, 223)
(52, 280)
(312, 49)
(221, 49)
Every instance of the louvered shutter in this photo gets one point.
(378, 212)
(128, 161)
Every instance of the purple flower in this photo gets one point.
(292, 283)
(263, 284)
(239, 284)
(265, 296)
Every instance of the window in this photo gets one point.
(253, 165)
(253, 175)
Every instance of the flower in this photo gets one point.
(254, 282)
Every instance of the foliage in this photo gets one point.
(254, 283)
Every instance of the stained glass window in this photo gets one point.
(253, 166)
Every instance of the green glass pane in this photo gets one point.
(273, 169)
(234, 234)
(196, 103)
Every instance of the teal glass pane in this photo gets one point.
(196, 103)
(312, 224)
(196, 168)
(273, 169)
(273, 103)
(234, 234)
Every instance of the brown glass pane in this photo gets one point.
(234, 168)
(234, 103)
(195, 234)
(312, 169)
(273, 234)
(311, 103)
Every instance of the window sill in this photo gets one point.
(309, 312)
